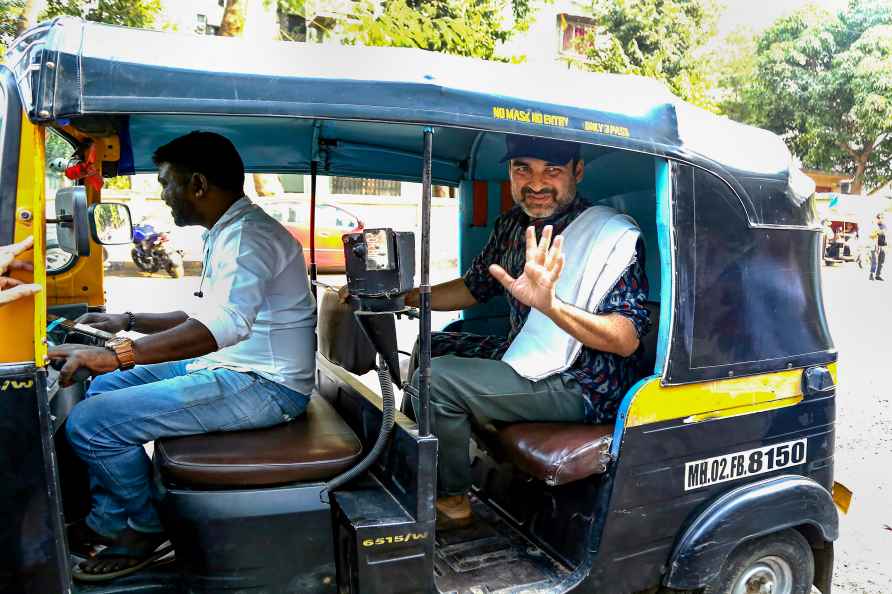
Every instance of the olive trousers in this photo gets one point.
(466, 391)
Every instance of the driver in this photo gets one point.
(244, 360)
(469, 379)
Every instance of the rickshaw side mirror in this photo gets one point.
(110, 223)
(72, 221)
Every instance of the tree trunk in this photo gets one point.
(267, 184)
(29, 15)
(858, 178)
(233, 23)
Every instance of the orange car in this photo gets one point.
(331, 223)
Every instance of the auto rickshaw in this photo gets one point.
(717, 475)
(848, 220)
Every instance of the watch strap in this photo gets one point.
(123, 350)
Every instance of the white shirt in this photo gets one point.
(256, 299)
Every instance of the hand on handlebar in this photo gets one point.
(70, 359)
(112, 323)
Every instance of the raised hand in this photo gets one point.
(8, 254)
(12, 289)
(544, 263)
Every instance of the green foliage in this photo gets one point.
(460, 27)
(130, 13)
(10, 10)
(662, 39)
(121, 182)
(824, 82)
(57, 147)
(734, 65)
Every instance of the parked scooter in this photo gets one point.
(152, 251)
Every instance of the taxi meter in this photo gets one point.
(380, 267)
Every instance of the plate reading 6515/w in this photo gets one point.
(702, 473)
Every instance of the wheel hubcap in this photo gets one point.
(768, 575)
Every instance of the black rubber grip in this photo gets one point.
(80, 375)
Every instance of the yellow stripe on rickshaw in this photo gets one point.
(717, 399)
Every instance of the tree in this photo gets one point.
(18, 15)
(129, 13)
(460, 27)
(30, 10)
(11, 12)
(734, 66)
(823, 82)
(233, 23)
(662, 39)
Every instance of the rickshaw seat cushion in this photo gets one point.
(316, 446)
(556, 453)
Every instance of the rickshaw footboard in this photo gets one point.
(490, 556)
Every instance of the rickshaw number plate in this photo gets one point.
(703, 473)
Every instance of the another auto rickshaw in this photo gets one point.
(718, 473)
(847, 222)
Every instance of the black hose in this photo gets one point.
(387, 420)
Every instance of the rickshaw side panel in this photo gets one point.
(650, 506)
(749, 297)
(35, 560)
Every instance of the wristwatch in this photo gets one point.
(123, 349)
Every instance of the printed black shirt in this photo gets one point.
(603, 377)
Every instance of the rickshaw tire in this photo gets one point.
(787, 544)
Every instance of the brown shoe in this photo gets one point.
(454, 512)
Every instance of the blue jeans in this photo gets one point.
(877, 258)
(125, 409)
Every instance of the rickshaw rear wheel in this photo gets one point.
(780, 563)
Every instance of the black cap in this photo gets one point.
(552, 151)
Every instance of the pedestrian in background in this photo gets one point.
(877, 248)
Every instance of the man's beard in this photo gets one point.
(537, 211)
(184, 214)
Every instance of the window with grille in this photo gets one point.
(361, 186)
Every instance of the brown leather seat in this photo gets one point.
(314, 447)
(557, 453)
(560, 453)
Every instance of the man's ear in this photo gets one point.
(199, 185)
(579, 170)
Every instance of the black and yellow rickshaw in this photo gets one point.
(718, 473)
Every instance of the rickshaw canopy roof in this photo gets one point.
(293, 103)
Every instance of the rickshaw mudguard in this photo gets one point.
(748, 512)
